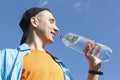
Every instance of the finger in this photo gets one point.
(92, 49)
(98, 51)
(89, 48)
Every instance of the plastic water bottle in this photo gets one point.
(79, 43)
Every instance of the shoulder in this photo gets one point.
(8, 52)
(7, 56)
(20, 48)
(23, 49)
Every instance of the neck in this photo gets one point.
(34, 42)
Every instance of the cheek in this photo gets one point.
(45, 27)
(41, 26)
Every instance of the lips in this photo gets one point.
(53, 33)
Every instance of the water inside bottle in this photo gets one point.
(79, 45)
(105, 52)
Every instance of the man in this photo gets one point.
(30, 61)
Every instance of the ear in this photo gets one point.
(34, 21)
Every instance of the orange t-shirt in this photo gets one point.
(39, 65)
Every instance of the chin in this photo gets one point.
(50, 41)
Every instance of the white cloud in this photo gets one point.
(82, 5)
(77, 5)
(43, 3)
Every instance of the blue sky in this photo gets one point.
(98, 20)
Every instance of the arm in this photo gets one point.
(94, 62)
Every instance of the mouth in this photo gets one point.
(53, 33)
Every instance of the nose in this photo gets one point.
(56, 29)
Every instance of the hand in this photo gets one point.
(92, 57)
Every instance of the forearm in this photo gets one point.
(93, 77)
(93, 73)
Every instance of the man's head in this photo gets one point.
(39, 20)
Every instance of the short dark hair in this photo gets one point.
(25, 21)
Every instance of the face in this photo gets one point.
(46, 27)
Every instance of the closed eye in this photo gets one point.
(52, 21)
